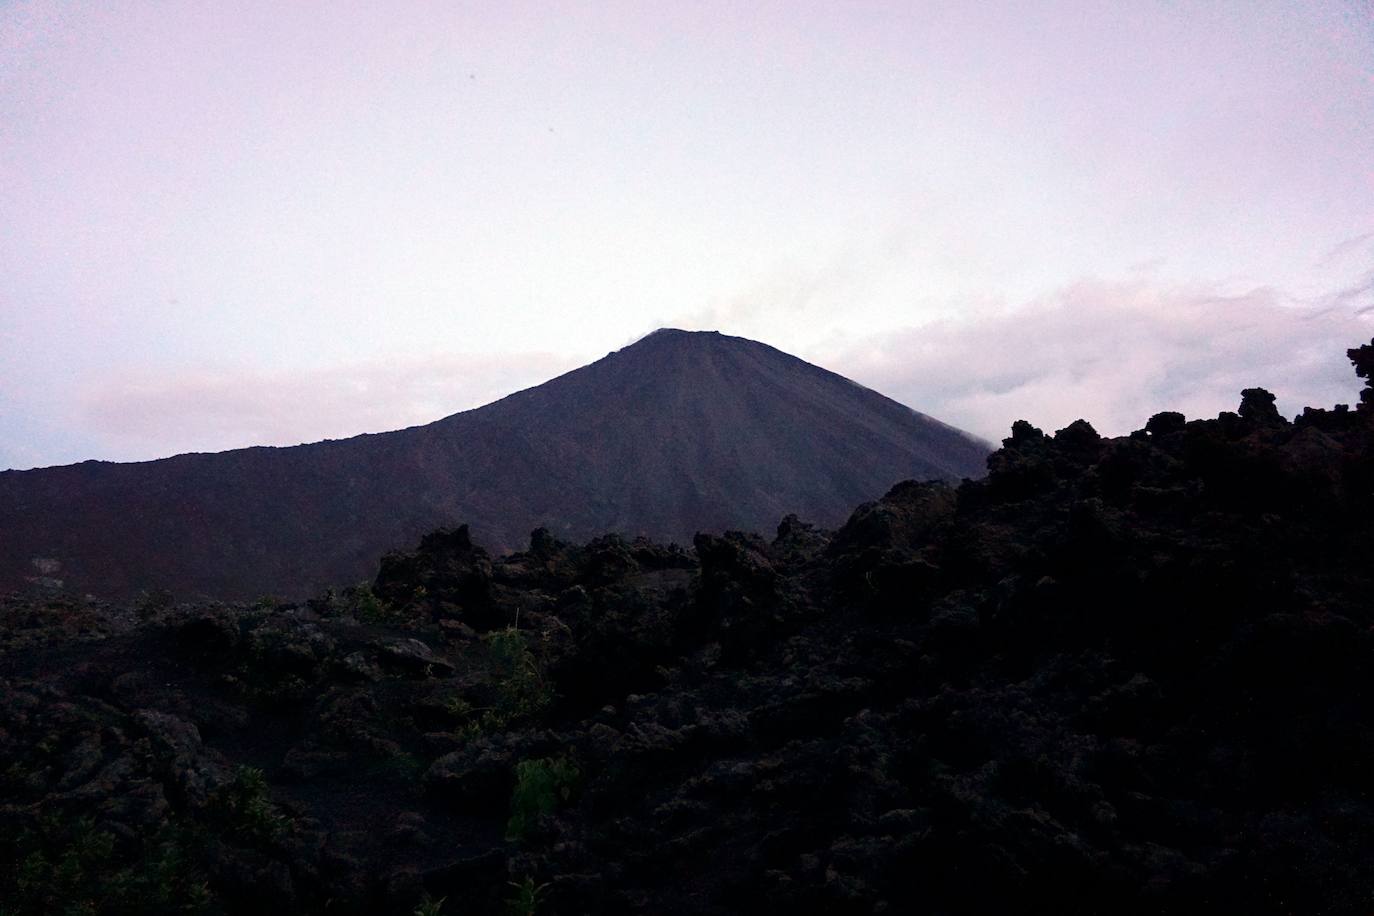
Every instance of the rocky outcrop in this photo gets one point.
(1363, 358)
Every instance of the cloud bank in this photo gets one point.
(140, 416)
(1114, 354)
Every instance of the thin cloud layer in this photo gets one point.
(1115, 354)
(150, 416)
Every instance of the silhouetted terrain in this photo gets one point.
(678, 433)
(1129, 675)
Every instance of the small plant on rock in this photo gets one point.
(429, 906)
(540, 786)
(367, 605)
(524, 691)
(527, 897)
(248, 808)
(520, 687)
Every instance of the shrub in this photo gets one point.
(521, 690)
(540, 787)
(367, 606)
(521, 682)
(246, 806)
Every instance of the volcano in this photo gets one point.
(677, 433)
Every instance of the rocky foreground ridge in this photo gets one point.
(1117, 675)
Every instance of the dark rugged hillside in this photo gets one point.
(679, 433)
(1132, 675)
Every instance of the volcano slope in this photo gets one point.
(677, 433)
(1122, 675)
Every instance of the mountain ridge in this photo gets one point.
(677, 432)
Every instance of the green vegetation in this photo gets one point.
(540, 786)
(365, 604)
(527, 897)
(429, 906)
(248, 810)
(524, 692)
(521, 690)
(74, 869)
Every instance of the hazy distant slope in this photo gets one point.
(676, 433)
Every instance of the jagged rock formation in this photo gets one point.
(1128, 675)
(678, 433)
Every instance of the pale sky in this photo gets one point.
(228, 224)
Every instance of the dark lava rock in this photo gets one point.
(1128, 675)
(411, 656)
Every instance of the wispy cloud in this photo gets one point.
(152, 415)
(1115, 353)
(1359, 245)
